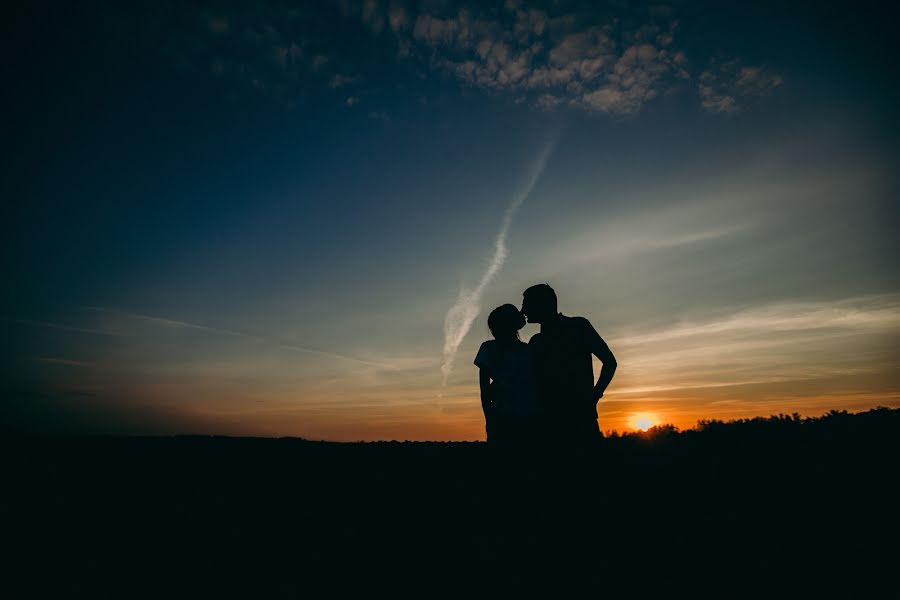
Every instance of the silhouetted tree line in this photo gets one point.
(838, 421)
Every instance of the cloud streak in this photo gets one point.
(226, 332)
(62, 327)
(777, 343)
(458, 320)
(65, 362)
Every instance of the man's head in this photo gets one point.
(539, 303)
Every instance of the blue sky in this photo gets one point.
(255, 221)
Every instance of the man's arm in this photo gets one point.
(600, 349)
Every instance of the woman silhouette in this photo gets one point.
(508, 394)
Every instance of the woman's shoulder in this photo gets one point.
(485, 353)
(488, 345)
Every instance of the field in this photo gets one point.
(801, 504)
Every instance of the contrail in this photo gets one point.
(461, 315)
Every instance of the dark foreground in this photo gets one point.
(776, 506)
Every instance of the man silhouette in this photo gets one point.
(567, 394)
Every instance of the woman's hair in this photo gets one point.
(505, 321)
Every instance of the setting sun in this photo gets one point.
(643, 421)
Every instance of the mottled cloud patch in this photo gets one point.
(727, 86)
(553, 56)
(611, 60)
(552, 60)
(636, 78)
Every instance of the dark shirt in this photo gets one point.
(564, 369)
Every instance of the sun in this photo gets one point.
(643, 421)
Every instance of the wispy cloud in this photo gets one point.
(459, 318)
(618, 238)
(176, 324)
(772, 343)
(879, 313)
(65, 362)
(63, 327)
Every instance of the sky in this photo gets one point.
(292, 219)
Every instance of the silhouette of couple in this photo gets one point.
(543, 390)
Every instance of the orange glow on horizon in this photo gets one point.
(422, 415)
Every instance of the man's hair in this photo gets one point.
(542, 294)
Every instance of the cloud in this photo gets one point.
(555, 56)
(575, 48)
(372, 14)
(65, 362)
(856, 314)
(64, 327)
(176, 324)
(398, 18)
(340, 80)
(554, 61)
(319, 61)
(724, 86)
(632, 82)
(776, 342)
(619, 239)
(435, 31)
(573, 59)
(757, 81)
(548, 101)
(716, 102)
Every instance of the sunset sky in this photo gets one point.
(254, 220)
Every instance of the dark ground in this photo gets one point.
(780, 506)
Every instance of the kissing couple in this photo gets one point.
(542, 391)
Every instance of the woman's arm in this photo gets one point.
(484, 382)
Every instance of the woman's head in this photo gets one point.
(505, 322)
